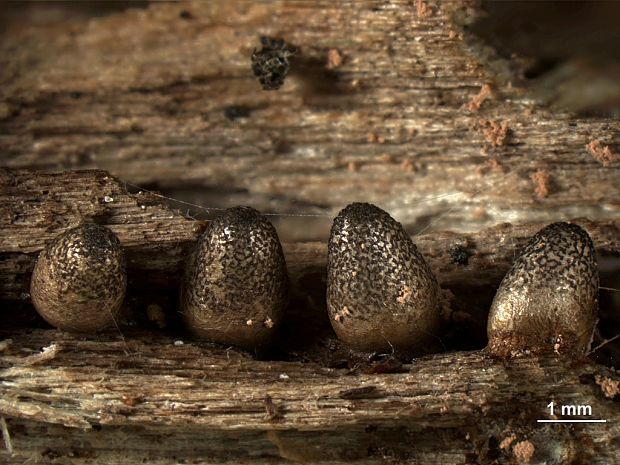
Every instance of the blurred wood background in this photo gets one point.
(456, 117)
(404, 121)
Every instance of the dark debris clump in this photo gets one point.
(459, 255)
(233, 112)
(271, 63)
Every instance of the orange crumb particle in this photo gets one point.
(342, 313)
(334, 59)
(495, 132)
(404, 294)
(131, 401)
(610, 387)
(477, 100)
(480, 213)
(523, 451)
(505, 444)
(495, 165)
(602, 153)
(386, 158)
(352, 166)
(408, 166)
(373, 137)
(542, 180)
(422, 8)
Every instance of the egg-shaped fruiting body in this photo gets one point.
(79, 280)
(548, 301)
(381, 293)
(235, 286)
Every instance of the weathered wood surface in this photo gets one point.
(468, 400)
(142, 94)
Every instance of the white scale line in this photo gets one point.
(571, 421)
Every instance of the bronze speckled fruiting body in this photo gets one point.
(381, 293)
(79, 281)
(271, 63)
(235, 285)
(548, 301)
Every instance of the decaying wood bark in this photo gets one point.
(77, 397)
(404, 121)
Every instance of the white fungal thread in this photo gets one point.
(329, 215)
(8, 444)
(604, 343)
(120, 333)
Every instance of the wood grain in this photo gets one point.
(103, 387)
(143, 95)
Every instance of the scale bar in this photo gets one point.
(571, 421)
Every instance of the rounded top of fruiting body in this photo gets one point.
(85, 249)
(244, 231)
(548, 301)
(373, 229)
(560, 253)
(365, 233)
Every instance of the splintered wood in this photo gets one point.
(100, 387)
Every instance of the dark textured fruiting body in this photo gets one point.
(548, 301)
(381, 294)
(235, 285)
(79, 281)
(459, 255)
(271, 63)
